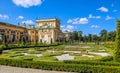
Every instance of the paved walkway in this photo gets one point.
(9, 69)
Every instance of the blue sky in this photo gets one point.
(89, 16)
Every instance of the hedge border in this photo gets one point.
(92, 63)
(60, 66)
(28, 46)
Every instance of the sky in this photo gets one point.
(89, 16)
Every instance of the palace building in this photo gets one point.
(47, 31)
(13, 33)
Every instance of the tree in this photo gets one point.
(70, 39)
(85, 39)
(74, 35)
(95, 38)
(103, 35)
(80, 36)
(111, 36)
(90, 37)
(117, 40)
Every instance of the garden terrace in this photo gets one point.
(75, 58)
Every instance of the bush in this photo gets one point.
(61, 66)
(107, 58)
(92, 63)
(12, 46)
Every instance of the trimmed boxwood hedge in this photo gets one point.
(61, 66)
(92, 63)
(27, 46)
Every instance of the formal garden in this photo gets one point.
(59, 53)
(73, 58)
(83, 58)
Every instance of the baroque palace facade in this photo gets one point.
(47, 31)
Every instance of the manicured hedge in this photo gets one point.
(61, 66)
(107, 58)
(93, 63)
(27, 46)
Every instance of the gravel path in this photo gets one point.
(9, 69)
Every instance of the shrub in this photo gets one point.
(12, 46)
(107, 58)
(27, 58)
(92, 63)
(61, 66)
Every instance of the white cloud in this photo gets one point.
(61, 26)
(28, 22)
(91, 16)
(69, 28)
(95, 26)
(78, 21)
(4, 16)
(20, 17)
(27, 3)
(83, 21)
(109, 17)
(103, 9)
(69, 21)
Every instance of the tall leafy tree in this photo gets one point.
(95, 38)
(85, 39)
(111, 36)
(75, 35)
(90, 37)
(70, 39)
(103, 35)
(80, 36)
(117, 48)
